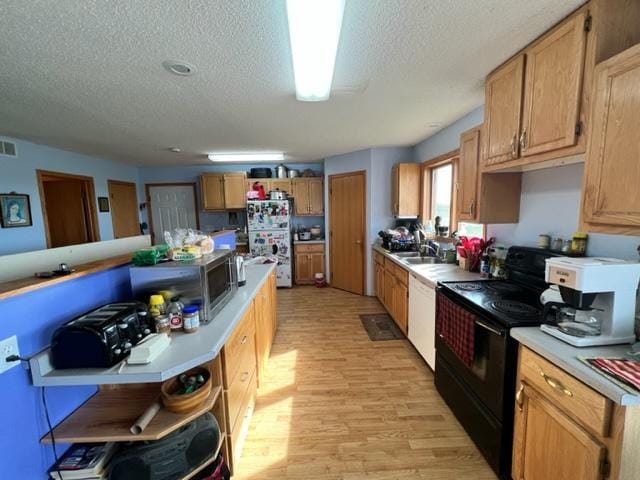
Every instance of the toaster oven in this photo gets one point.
(211, 280)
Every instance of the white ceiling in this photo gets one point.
(87, 75)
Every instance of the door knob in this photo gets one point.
(358, 242)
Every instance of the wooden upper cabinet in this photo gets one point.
(467, 185)
(309, 196)
(282, 184)
(222, 191)
(405, 190)
(503, 105)
(553, 85)
(548, 444)
(611, 198)
(235, 193)
(212, 186)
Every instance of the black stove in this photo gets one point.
(508, 303)
(481, 391)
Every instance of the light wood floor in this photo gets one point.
(336, 406)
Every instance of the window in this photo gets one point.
(441, 183)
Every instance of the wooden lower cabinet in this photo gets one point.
(391, 287)
(565, 429)
(244, 357)
(309, 260)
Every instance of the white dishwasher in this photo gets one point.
(422, 319)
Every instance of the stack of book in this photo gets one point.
(84, 461)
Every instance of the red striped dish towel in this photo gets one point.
(456, 326)
(623, 370)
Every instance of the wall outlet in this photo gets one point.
(8, 346)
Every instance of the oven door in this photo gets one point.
(486, 376)
(221, 284)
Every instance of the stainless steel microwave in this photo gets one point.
(211, 279)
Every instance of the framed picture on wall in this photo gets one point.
(15, 210)
(103, 204)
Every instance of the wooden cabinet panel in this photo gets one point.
(242, 420)
(550, 445)
(309, 261)
(503, 106)
(405, 190)
(238, 387)
(235, 190)
(611, 198)
(212, 186)
(236, 348)
(316, 196)
(468, 173)
(282, 184)
(309, 196)
(389, 299)
(379, 279)
(553, 86)
(401, 305)
(264, 327)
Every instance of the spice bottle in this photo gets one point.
(579, 243)
(162, 324)
(175, 313)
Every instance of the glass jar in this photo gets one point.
(163, 325)
(579, 243)
(191, 318)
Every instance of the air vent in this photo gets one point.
(8, 149)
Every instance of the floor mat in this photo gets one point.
(380, 326)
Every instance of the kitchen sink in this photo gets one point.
(421, 260)
(406, 254)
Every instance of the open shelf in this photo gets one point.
(205, 464)
(109, 414)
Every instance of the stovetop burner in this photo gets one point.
(512, 307)
(468, 287)
(503, 287)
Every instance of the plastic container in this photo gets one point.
(191, 318)
(157, 306)
(175, 313)
(319, 280)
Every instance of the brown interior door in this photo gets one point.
(66, 211)
(124, 209)
(347, 231)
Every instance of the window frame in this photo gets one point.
(426, 179)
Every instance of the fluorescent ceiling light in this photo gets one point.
(246, 157)
(314, 32)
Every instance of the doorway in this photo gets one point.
(171, 206)
(68, 208)
(124, 208)
(347, 231)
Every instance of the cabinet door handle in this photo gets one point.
(520, 397)
(554, 383)
(472, 208)
(523, 139)
(244, 340)
(244, 377)
(514, 139)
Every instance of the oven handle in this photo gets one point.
(489, 328)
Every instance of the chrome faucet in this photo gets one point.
(429, 245)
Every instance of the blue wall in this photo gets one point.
(33, 317)
(190, 173)
(19, 175)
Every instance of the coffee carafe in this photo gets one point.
(578, 322)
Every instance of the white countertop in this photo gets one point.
(565, 356)
(432, 273)
(187, 350)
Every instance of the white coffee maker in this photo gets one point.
(607, 285)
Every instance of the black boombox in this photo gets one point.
(173, 456)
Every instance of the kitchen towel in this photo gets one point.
(456, 326)
(622, 371)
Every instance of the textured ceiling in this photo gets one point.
(87, 75)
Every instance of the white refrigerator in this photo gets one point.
(269, 225)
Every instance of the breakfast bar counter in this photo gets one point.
(187, 350)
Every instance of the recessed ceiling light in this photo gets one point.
(434, 124)
(175, 149)
(179, 67)
(246, 157)
(314, 33)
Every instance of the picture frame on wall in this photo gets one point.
(15, 210)
(103, 204)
